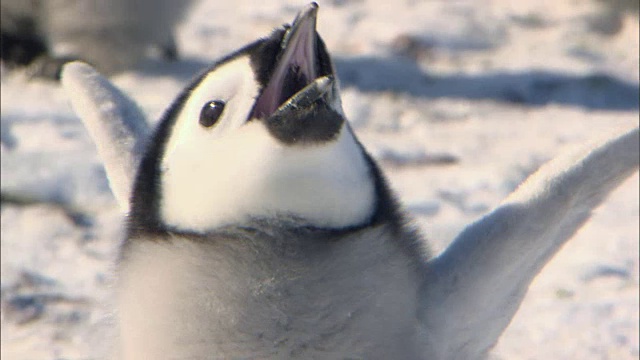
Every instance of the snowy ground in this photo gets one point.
(458, 100)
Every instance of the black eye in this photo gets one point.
(211, 112)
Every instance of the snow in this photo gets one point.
(459, 101)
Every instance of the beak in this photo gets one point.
(296, 70)
(319, 88)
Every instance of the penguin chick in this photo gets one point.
(259, 227)
(112, 35)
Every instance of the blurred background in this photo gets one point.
(458, 100)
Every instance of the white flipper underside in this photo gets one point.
(115, 123)
(473, 289)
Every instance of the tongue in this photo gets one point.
(296, 67)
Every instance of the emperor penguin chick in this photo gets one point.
(260, 227)
(112, 35)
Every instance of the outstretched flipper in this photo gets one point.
(115, 123)
(473, 289)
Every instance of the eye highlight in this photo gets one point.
(211, 112)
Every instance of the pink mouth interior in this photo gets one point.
(298, 60)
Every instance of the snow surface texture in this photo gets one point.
(459, 101)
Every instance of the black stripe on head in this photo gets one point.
(265, 55)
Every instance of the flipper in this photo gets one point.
(473, 289)
(115, 123)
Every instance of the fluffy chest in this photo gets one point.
(248, 299)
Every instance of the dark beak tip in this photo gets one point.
(309, 12)
(312, 8)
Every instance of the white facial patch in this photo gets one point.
(236, 170)
(233, 83)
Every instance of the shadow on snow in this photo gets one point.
(528, 88)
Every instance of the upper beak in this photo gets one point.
(300, 43)
(297, 67)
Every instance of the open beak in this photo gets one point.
(295, 82)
